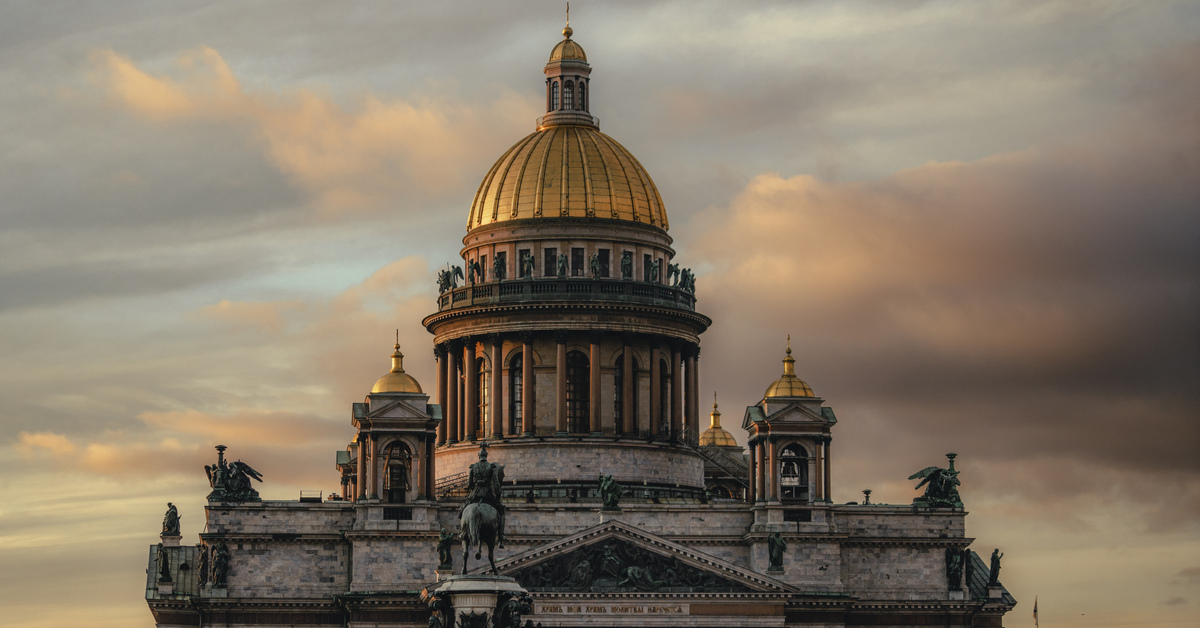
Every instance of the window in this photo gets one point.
(604, 262)
(793, 473)
(569, 95)
(577, 262)
(554, 96)
(516, 392)
(397, 473)
(523, 255)
(483, 269)
(646, 268)
(548, 269)
(484, 378)
(583, 96)
(578, 382)
(619, 396)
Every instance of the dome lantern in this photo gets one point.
(568, 85)
(789, 385)
(396, 380)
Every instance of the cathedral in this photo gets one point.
(567, 343)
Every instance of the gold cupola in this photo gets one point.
(567, 168)
(396, 380)
(789, 385)
(715, 435)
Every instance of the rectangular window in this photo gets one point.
(500, 272)
(577, 262)
(646, 268)
(483, 269)
(551, 262)
(522, 255)
(604, 263)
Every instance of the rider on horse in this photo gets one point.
(483, 485)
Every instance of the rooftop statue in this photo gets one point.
(164, 564)
(562, 265)
(673, 274)
(656, 271)
(610, 492)
(941, 486)
(171, 521)
(448, 279)
(498, 269)
(776, 546)
(474, 272)
(594, 263)
(230, 481)
(526, 265)
(482, 517)
(627, 265)
(994, 574)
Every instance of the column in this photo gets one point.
(360, 473)
(773, 471)
(471, 386)
(451, 409)
(752, 490)
(500, 423)
(372, 468)
(420, 459)
(762, 471)
(439, 353)
(693, 415)
(527, 399)
(819, 470)
(676, 393)
(594, 388)
(828, 496)
(560, 386)
(430, 469)
(655, 392)
(628, 419)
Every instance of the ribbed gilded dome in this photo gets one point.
(396, 380)
(567, 170)
(715, 435)
(789, 385)
(567, 49)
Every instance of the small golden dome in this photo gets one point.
(715, 435)
(567, 171)
(789, 385)
(567, 49)
(396, 380)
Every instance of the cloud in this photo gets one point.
(346, 157)
(57, 444)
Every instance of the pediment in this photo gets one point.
(617, 557)
(398, 409)
(796, 413)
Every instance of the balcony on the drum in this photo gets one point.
(573, 289)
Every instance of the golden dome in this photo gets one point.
(396, 380)
(567, 50)
(567, 171)
(789, 385)
(715, 435)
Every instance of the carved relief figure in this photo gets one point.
(445, 542)
(164, 564)
(776, 546)
(220, 565)
(954, 568)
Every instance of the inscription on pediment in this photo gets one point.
(618, 565)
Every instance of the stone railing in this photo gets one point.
(566, 289)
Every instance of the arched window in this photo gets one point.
(619, 393)
(583, 96)
(664, 398)
(516, 392)
(554, 96)
(485, 378)
(578, 382)
(793, 473)
(397, 473)
(569, 95)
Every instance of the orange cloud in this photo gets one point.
(29, 442)
(282, 429)
(348, 158)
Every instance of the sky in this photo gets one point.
(978, 221)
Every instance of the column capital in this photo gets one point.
(560, 336)
(526, 336)
(495, 338)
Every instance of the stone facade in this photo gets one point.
(580, 363)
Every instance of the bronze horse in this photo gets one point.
(480, 522)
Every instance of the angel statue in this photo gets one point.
(941, 486)
(230, 481)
